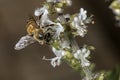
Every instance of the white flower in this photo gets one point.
(38, 12)
(58, 53)
(82, 31)
(79, 22)
(82, 14)
(68, 2)
(44, 19)
(82, 55)
(56, 61)
(24, 42)
(41, 11)
(58, 29)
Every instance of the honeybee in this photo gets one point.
(40, 34)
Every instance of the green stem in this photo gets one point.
(88, 73)
(75, 64)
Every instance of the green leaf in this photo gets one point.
(114, 74)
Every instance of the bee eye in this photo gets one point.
(47, 38)
(48, 35)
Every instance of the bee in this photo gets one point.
(40, 34)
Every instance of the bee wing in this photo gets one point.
(24, 42)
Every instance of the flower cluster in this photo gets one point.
(79, 22)
(115, 6)
(82, 54)
(59, 33)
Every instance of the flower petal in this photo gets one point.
(56, 61)
(82, 56)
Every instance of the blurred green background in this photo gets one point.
(27, 64)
